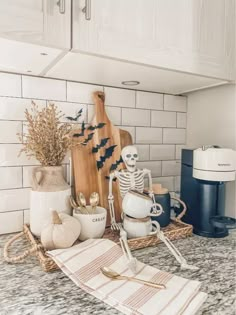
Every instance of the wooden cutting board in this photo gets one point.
(87, 178)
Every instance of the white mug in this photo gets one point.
(140, 227)
(138, 205)
(92, 225)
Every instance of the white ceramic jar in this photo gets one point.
(92, 225)
(138, 205)
(140, 227)
(49, 191)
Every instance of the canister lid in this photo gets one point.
(159, 190)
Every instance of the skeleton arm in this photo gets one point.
(151, 194)
(111, 199)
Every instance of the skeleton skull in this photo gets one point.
(130, 156)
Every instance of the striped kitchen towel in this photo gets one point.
(82, 263)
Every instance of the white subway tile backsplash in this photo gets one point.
(11, 222)
(9, 156)
(153, 166)
(175, 103)
(172, 135)
(14, 108)
(148, 135)
(14, 199)
(155, 121)
(81, 92)
(42, 88)
(149, 100)
(143, 151)
(135, 117)
(163, 119)
(119, 97)
(131, 130)
(113, 113)
(71, 110)
(10, 177)
(26, 216)
(27, 171)
(166, 182)
(171, 168)
(10, 84)
(162, 152)
(177, 183)
(9, 131)
(181, 120)
(178, 151)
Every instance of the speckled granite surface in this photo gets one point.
(26, 289)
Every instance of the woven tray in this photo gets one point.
(175, 230)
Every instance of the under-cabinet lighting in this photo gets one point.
(130, 82)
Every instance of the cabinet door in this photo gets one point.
(45, 22)
(195, 36)
(116, 28)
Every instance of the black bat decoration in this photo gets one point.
(107, 155)
(115, 165)
(100, 125)
(90, 136)
(78, 115)
(81, 134)
(101, 145)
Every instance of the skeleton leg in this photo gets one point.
(175, 252)
(132, 262)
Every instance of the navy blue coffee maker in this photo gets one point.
(204, 172)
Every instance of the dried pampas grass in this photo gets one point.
(47, 139)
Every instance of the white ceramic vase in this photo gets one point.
(49, 192)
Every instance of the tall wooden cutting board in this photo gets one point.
(87, 178)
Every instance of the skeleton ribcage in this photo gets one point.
(128, 181)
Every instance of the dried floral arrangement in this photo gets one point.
(48, 139)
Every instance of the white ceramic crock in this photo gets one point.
(138, 205)
(140, 227)
(92, 225)
(40, 204)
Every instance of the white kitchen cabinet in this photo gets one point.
(194, 36)
(44, 22)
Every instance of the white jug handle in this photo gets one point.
(34, 182)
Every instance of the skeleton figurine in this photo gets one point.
(133, 179)
(129, 179)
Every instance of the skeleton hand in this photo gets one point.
(110, 197)
(151, 194)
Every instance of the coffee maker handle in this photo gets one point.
(34, 182)
(182, 213)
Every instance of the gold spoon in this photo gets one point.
(74, 205)
(94, 200)
(116, 276)
(82, 202)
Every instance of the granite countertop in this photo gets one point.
(26, 289)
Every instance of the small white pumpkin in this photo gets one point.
(62, 232)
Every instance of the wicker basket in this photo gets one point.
(175, 230)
